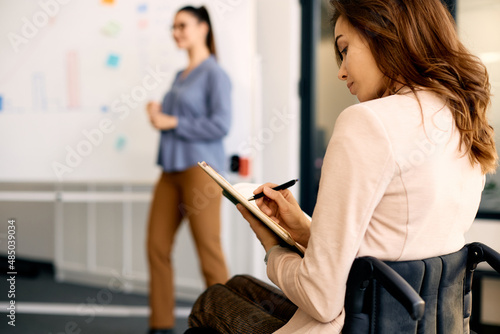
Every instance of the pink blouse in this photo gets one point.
(394, 185)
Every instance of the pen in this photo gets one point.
(280, 187)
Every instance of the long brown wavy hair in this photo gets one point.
(415, 43)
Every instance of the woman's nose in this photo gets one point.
(342, 75)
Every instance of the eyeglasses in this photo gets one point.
(179, 27)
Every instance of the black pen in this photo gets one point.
(280, 187)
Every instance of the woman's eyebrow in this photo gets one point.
(336, 39)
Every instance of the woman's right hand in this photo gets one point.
(153, 108)
(282, 207)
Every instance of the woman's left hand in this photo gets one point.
(267, 237)
(162, 121)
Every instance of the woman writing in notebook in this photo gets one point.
(402, 176)
(193, 119)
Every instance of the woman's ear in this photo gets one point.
(204, 28)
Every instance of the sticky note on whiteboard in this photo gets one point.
(142, 8)
(111, 29)
(1, 103)
(143, 23)
(120, 143)
(113, 60)
(108, 2)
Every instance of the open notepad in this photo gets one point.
(239, 194)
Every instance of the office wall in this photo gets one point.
(278, 46)
(277, 148)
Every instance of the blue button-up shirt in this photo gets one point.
(202, 103)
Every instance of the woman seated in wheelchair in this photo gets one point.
(402, 175)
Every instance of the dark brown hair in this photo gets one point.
(415, 43)
(201, 14)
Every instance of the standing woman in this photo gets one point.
(193, 119)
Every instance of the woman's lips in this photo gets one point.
(349, 85)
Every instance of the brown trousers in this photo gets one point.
(188, 194)
(243, 305)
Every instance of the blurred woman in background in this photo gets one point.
(193, 119)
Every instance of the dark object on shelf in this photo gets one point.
(234, 164)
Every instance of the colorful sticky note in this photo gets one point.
(113, 60)
(111, 29)
(1, 103)
(143, 23)
(142, 8)
(108, 2)
(120, 143)
(104, 108)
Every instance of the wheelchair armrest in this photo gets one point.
(479, 252)
(398, 288)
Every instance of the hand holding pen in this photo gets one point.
(280, 187)
(283, 208)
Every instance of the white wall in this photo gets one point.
(278, 43)
(278, 149)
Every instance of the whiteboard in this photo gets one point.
(75, 76)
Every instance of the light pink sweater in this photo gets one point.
(388, 189)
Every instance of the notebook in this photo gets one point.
(239, 194)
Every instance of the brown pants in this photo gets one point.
(188, 194)
(243, 305)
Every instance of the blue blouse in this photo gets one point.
(202, 103)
